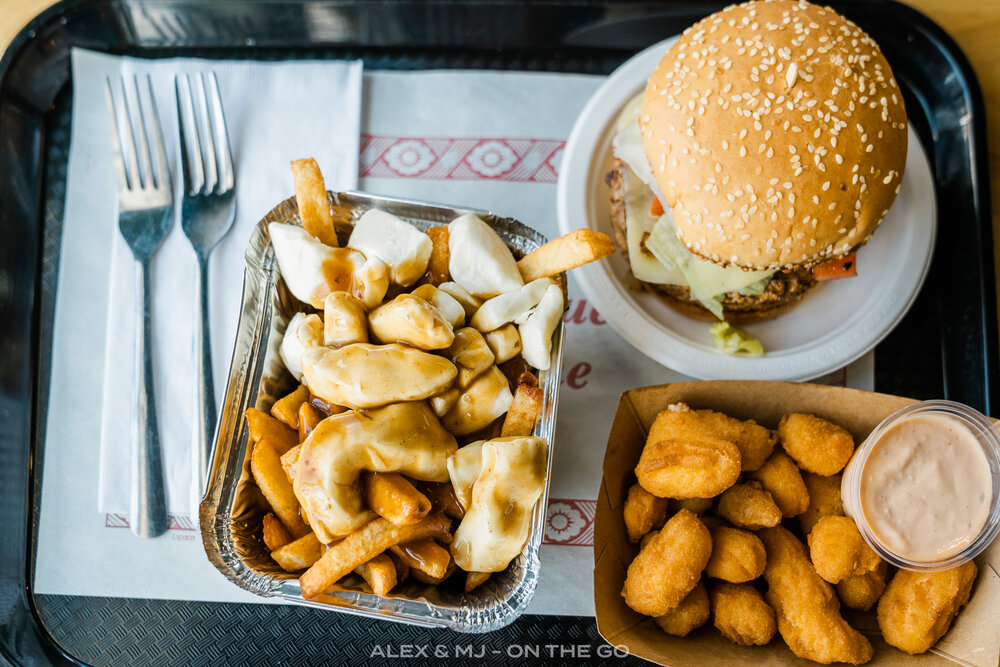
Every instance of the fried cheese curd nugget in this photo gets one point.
(824, 499)
(917, 608)
(753, 440)
(807, 609)
(643, 512)
(748, 505)
(696, 465)
(782, 479)
(689, 615)
(838, 551)
(742, 615)
(817, 445)
(862, 591)
(738, 555)
(669, 566)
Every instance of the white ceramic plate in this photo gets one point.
(834, 324)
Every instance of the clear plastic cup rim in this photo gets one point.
(986, 434)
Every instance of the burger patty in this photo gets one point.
(783, 290)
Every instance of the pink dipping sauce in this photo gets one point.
(926, 487)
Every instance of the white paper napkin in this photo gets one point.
(275, 112)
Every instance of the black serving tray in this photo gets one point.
(945, 347)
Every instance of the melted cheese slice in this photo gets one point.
(510, 479)
(404, 437)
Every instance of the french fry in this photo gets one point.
(308, 417)
(286, 409)
(272, 482)
(402, 569)
(324, 407)
(275, 535)
(392, 496)
(314, 207)
(425, 556)
(564, 253)
(442, 497)
(474, 580)
(364, 544)
(379, 573)
(263, 426)
(437, 267)
(523, 412)
(421, 576)
(289, 460)
(298, 554)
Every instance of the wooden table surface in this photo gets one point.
(974, 24)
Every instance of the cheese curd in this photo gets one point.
(362, 375)
(312, 270)
(537, 329)
(344, 320)
(487, 398)
(505, 342)
(510, 306)
(479, 259)
(450, 309)
(303, 332)
(470, 354)
(469, 303)
(510, 479)
(412, 320)
(404, 248)
(404, 437)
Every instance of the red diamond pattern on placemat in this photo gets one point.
(570, 522)
(461, 159)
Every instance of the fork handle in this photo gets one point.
(149, 511)
(205, 411)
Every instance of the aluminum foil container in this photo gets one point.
(232, 509)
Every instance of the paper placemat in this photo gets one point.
(490, 140)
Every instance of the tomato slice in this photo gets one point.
(655, 208)
(842, 267)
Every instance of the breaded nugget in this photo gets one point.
(643, 512)
(753, 440)
(742, 615)
(669, 566)
(816, 445)
(647, 538)
(737, 555)
(824, 499)
(838, 551)
(917, 608)
(781, 478)
(691, 613)
(862, 591)
(696, 505)
(807, 609)
(688, 469)
(748, 505)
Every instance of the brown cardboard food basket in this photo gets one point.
(974, 638)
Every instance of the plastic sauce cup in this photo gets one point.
(984, 431)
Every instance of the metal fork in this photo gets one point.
(207, 212)
(145, 204)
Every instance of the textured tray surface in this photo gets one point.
(135, 632)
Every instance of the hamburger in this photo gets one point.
(766, 148)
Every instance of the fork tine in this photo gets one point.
(208, 154)
(142, 140)
(116, 143)
(162, 177)
(194, 174)
(226, 172)
(125, 122)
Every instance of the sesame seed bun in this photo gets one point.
(777, 134)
